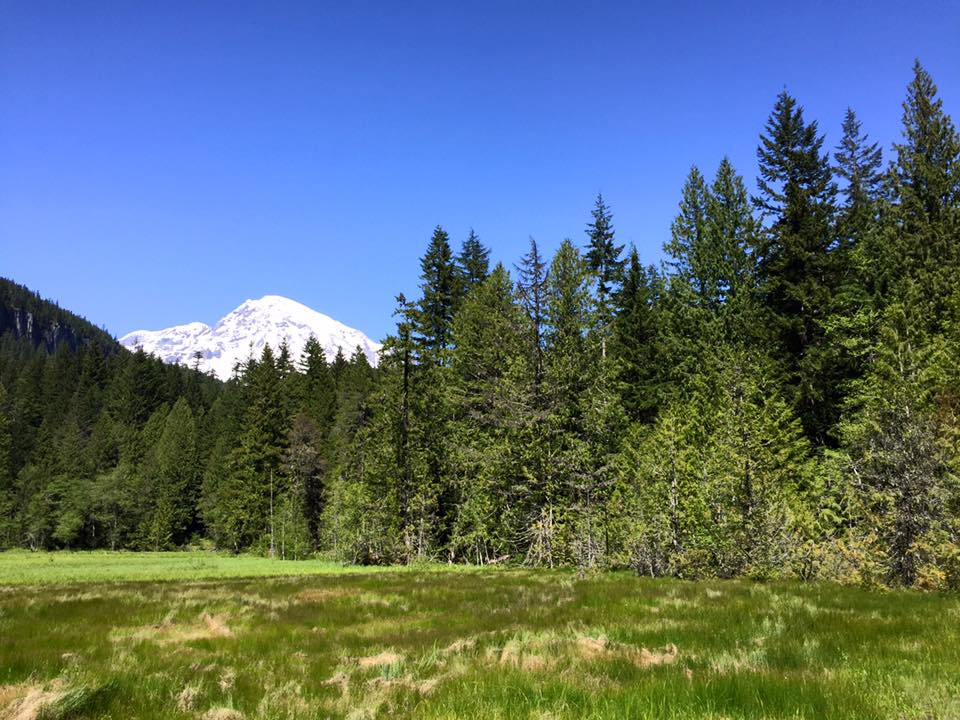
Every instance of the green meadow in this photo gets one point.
(52, 568)
(195, 635)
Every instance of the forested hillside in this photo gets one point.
(781, 396)
(24, 314)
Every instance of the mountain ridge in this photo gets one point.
(245, 330)
(28, 316)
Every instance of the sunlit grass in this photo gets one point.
(18, 567)
(480, 644)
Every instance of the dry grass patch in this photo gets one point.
(590, 647)
(530, 652)
(652, 658)
(378, 627)
(539, 652)
(381, 659)
(750, 659)
(380, 600)
(284, 700)
(321, 595)
(187, 698)
(227, 679)
(421, 687)
(27, 702)
(222, 713)
(340, 680)
(459, 646)
(593, 648)
(207, 627)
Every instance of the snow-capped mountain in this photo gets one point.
(269, 320)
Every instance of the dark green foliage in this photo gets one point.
(43, 324)
(924, 221)
(440, 287)
(603, 257)
(730, 239)
(635, 338)
(86, 466)
(797, 270)
(488, 386)
(7, 489)
(175, 488)
(531, 286)
(902, 452)
(926, 167)
(713, 487)
(691, 257)
(858, 163)
(473, 262)
(782, 397)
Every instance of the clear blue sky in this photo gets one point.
(160, 162)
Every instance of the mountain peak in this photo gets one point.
(245, 331)
(272, 301)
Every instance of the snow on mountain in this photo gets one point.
(246, 330)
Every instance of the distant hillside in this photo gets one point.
(27, 315)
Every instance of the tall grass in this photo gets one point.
(483, 644)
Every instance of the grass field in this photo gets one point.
(52, 568)
(433, 643)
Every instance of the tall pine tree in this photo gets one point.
(797, 274)
(439, 287)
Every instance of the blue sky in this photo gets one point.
(162, 162)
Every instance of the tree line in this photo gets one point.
(779, 397)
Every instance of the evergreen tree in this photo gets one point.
(473, 262)
(693, 259)
(531, 286)
(662, 508)
(145, 479)
(102, 450)
(757, 465)
(405, 351)
(7, 504)
(603, 259)
(175, 491)
(253, 481)
(438, 275)
(689, 303)
(710, 295)
(634, 341)
(731, 235)
(568, 318)
(319, 399)
(487, 387)
(901, 452)
(88, 396)
(338, 365)
(302, 506)
(859, 261)
(927, 166)
(797, 274)
(858, 163)
(925, 181)
(570, 358)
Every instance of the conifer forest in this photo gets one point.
(780, 397)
